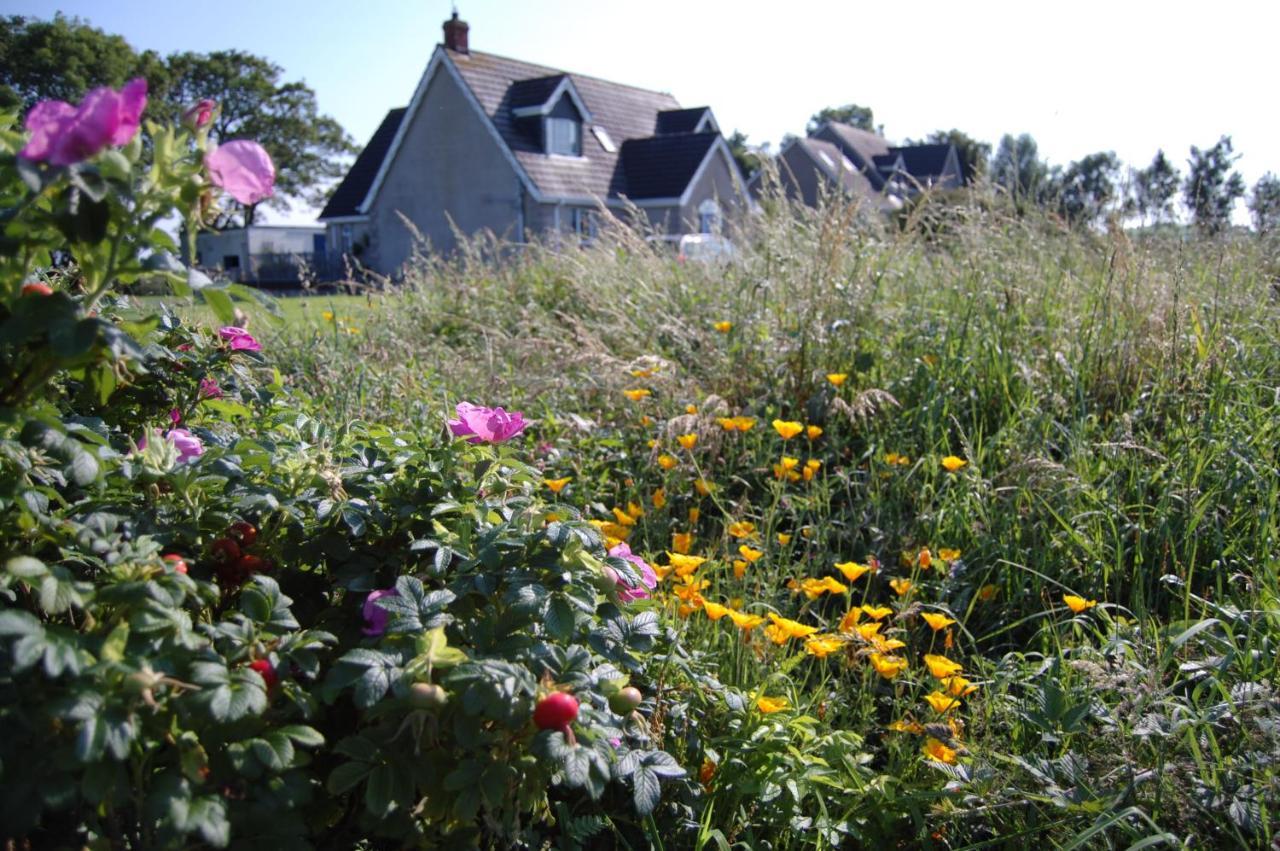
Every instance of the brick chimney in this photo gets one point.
(455, 34)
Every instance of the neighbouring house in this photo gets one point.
(863, 164)
(494, 144)
(261, 254)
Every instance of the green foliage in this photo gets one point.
(1264, 204)
(974, 155)
(1212, 188)
(1017, 167)
(851, 114)
(1154, 188)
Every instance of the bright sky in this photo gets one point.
(1080, 77)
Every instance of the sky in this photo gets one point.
(1126, 76)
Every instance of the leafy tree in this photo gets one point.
(851, 114)
(748, 159)
(1154, 188)
(1087, 187)
(305, 146)
(1265, 204)
(1212, 188)
(973, 154)
(64, 58)
(1018, 168)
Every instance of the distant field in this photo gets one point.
(293, 311)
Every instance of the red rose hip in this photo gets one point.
(556, 711)
(245, 533)
(267, 671)
(177, 562)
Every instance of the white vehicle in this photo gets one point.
(706, 248)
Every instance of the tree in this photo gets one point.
(1018, 168)
(748, 159)
(64, 58)
(1087, 187)
(1264, 203)
(1212, 188)
(973, 154)
(305, 146)
(1154, 188)
(851, 114)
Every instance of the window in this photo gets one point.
(231, 261)
(584, 223)
(708, 216)
(564, 136)
(602, 136)
(344, 239)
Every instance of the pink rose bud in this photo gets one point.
(199, 115)
(243, 169)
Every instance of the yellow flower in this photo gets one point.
(876, 613)
(783, 629)
(706, 772)
(715, 611)
(769, 705)
(886, 645)
(958, 686)
(852, 570)
(930, 360)
(651, 443)
(684, 564)
(837, 378)
(948, 554)
(951, 463)
(666, 462)
(327, 316)
(613, 532)
(906, 725)
(1078, 604)
(887, 666)
(869, 631)
(623, 517)
(850, 620)
(694, 514)
(642, 373)
(894, 459)
(742, 529)
(659, 498)
(739, 568)
(806, 532)
(691, 409)
(789, 463)
(940, 667)
(900, 586)
(788, 429)
(681, 542)
(987, 593)
(783, 538)
(936, 621)
(941, 702)
(688, 441)
(823, 646)
(551, 518)
(635, 510)
(636, 394)
(810, 470)
(745, 621)
(702, 486)
(727, 423)
(557, 485)
(750, 554)
(924, 558)
(723, 327)
(744, 423)
(938, 752)
(685, 610)
(815, 588)
(661, 571)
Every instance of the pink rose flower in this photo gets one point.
(648, 578)
(175, 416)
(486, 425)
(375, 617)
(209, 389)
(199, 115)
(239, 339)
(188, 445)
(63, 135)
(243, 169)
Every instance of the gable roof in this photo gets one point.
(683, 120)
(660, 166)
(859, 145)
(346, 199)
(925, 160)
(833, 163)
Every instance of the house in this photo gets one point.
(524, 151)
(261, 254)
(863, 164)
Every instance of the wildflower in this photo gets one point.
(642, 373)
(659, 498)
(685, 610)
(694, 514)
(940, 667)
(1078, 604)
(885, 645)
(691, 409)
(849, 622)
(742, 529)
(244, 169)
(876, 613)
(662, 571)
(723, 327)
(703, 487)
(327, 316)
(941, 703)
(376, 617)
(187, 445)
(951, 463)
(239, 339)
(681, 541)
(666, 462)
(769, 705)
(837, 378)
(199, 115)
(557, 485)
(726, 423)
(900, 586)
(869, 631)
(783, 629)
(813, 432)
(690, 592)
(924, 558)
(551, 517)
(948, 555)
(624, 519)
(987, 593)
(788, 429)
(815, 588)
(648, 577)
(62, 134)
(646, 420)
(936, 621)
(486, 425)
(958, 686)
(745, 621)
(715, 611)
(651, 443)
(684, 564)
(636, 394)
(209, 389)
(614, 533)
(739, 568)
(744, 423)
(806, 532)
(749, 554)
(887, 666)
(811, 469)
(852, 570)
(906, 725)
(706, 772)
(823, 646)
(783, 539)
(688, 441)
(938, 752)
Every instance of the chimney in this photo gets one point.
(455, 34)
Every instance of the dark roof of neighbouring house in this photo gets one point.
(533, 92)
(660, 166)
(346, 199)
(924, 160)
(679, 120)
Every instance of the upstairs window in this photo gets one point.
(564, 136)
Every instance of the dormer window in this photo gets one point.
(564, 136)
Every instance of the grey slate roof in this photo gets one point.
(679, 120)
(533, 92)
(924, 161)
(625, 112)
(860, 145)
(351, 191)
(820, 152)
(661, 166)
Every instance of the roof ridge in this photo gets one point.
(555, 71)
